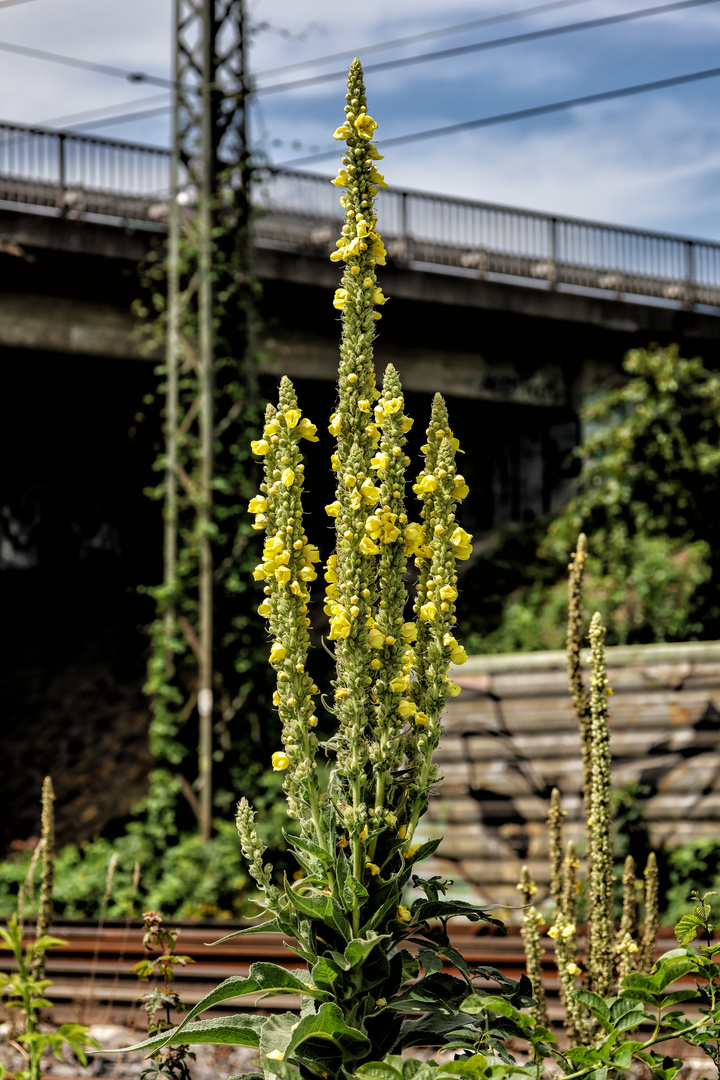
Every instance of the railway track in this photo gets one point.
(92, 977)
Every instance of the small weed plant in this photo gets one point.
(162, 999)
(24, 988)
(368, 998)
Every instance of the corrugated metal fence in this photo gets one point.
(512, 735)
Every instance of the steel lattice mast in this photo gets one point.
(210, 183)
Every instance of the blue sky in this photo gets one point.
(651, 161)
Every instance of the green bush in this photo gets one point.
(646, 498)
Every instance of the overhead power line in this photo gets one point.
(410, 39)
(73, 119)
(88, 65)
(482, 46)
(523, 114)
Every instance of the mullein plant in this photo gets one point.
(611, 954)
(345, 913)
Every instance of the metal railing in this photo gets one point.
(85, 176)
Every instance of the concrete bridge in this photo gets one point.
(517, 315)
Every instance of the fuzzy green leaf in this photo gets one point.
(447, 909)
(686, 929)
(231, 1030)
(270, 926)
(328, 1026)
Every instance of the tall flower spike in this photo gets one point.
(578, 692)
(601, 860)
(441, 542)
(48, 873)
(567, 945)
(554, 820)
(391, 638)
(353, 570)
(287, 569)
(646, 956)
(530, 931)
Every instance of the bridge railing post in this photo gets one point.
(553, 274)
(404, 228)
(689, 301)
(62, 175)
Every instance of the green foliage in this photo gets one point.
(183, 877)
(692, 865)
(646, 498)
(26, 993)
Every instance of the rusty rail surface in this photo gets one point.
(90, 178)
(92, 977)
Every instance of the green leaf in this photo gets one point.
(270, 926)
(360, 948)
(303, 844)
(596, 1005)
(232, 1030)
(276, 1033)
(687, 927)
(283, 1069)
(328, 1026)
(326, 974)
(430, 961)
(321, 909)
(669, 971)
(447, 909)
(676, 997)
(378, 1070)
(473, 1067)
(47, 942)
(624, 1014)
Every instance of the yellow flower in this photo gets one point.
(275, 1055)
(413, 535)
(333, 509)
(399, 683)
(277, 653)
(276, 698)
(380, 461)
(369, 491)
(382, 527)
(258, 504)
(421, 719)
(271, 428)
(428, 612)
(403, 914)
(381, 1003)
(292, 417)
(280, 761)
(409, 852)
(458, 655)
(448, 593)
(391, 819)
(264, 609)
(308, 430)
(339, 301)
(572, 968)
(462, 542)
(364, 834)
(375, 637)
(369, 547)
(376, 177)
(341, 180)
(288, 478)
(425, 485)
(335, 424)
(409, 632)
(454, 688)
(373, 868)
(282, 575)
(379, 298)
(365, 125)
(460, 488)
(339, 625)
(343, 132)
(405, 707)
(260, 447)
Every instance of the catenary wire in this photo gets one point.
(88, 65)
(481, 46)
(522, 114)
(474, 24)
